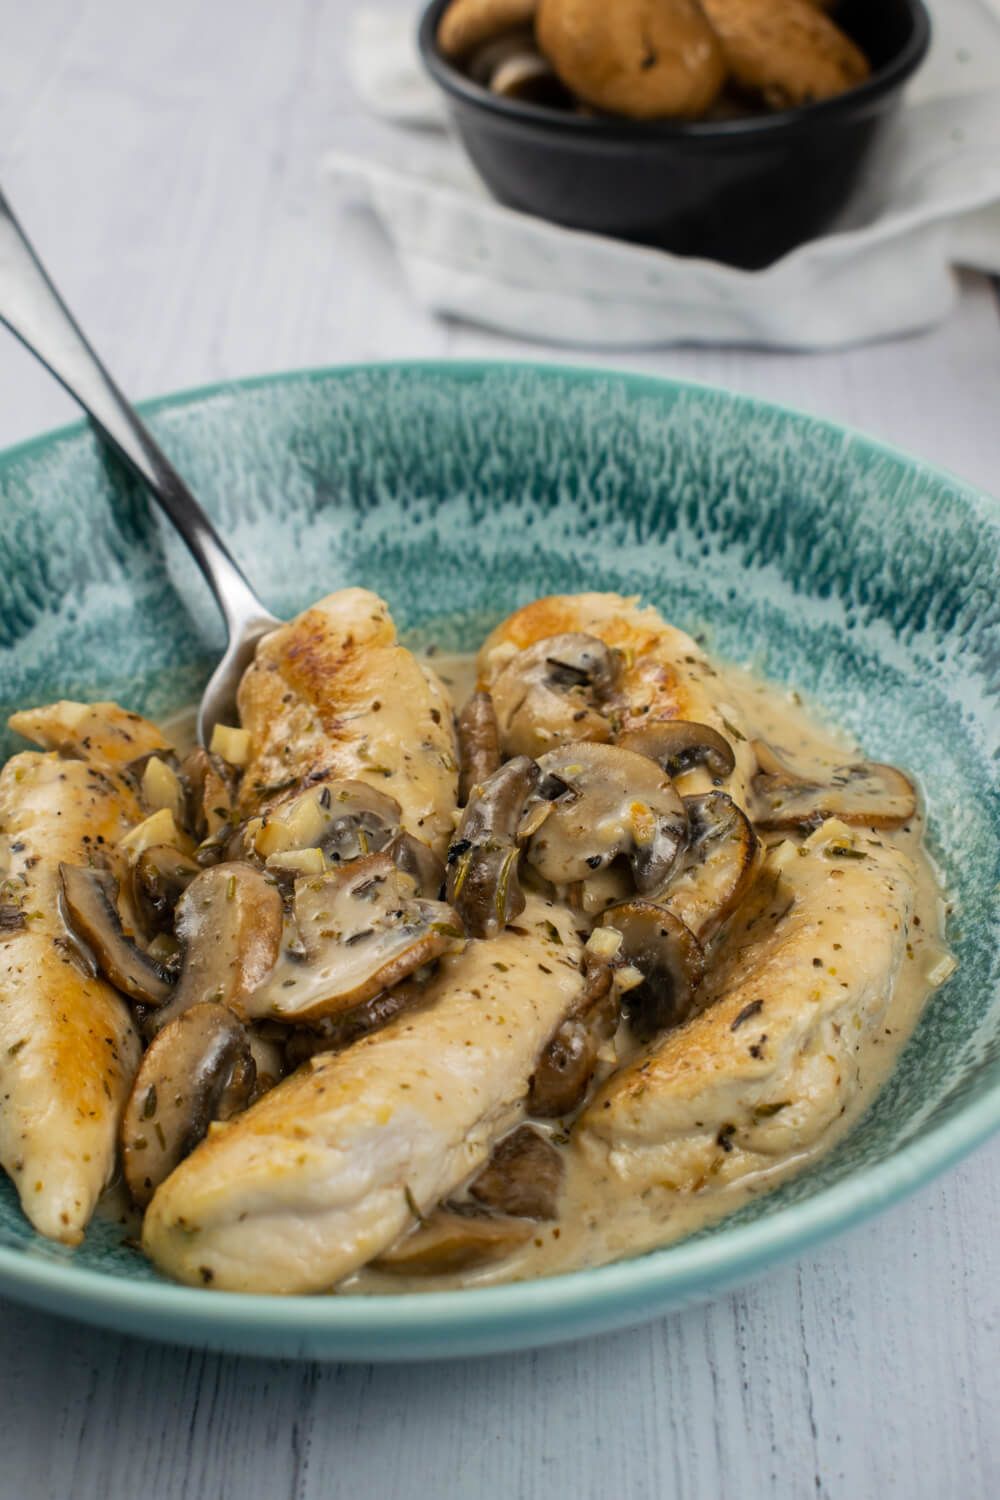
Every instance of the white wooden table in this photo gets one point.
(164, 158)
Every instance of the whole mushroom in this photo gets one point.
(785, 52)
(646, 59)
(467, 24)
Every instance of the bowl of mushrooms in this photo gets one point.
(728, 129)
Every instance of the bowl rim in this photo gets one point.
(863, 97)
(622, 1292)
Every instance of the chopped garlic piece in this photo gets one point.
(158, 828)
(941, 969)
(604, 942)
(161, 787)
(232, 744)
(300, 861)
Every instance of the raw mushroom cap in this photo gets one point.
(613, 803)
(554, 692)
(230, 921)
(467, 24)
(361, 929)
(198, 1069)
(645, 59)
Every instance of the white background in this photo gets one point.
(164, 158)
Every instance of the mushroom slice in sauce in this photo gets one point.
(454, 1239)
(678, 745)
(566, 1067)
(669, 957)
(230, 921)
(866, 794)
(554, 692)
(419, 861)
(483, 883)
(160, 877)
(717, 867)
(345, 819)
(336, 1033)
(522, 1178)
(361, 929)
(198, 1069)
(607, 802)
(211, 794)
(89, 901)
(478, 744)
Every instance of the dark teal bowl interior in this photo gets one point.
(861, 577)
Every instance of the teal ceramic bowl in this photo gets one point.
(864, 578)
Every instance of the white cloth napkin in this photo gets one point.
(930, 201)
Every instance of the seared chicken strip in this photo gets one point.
(333, 1165)
(765, 1070)
(68, 1048)
(92, 731)
(664, 675)
(334, 692)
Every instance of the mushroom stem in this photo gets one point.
(478, 744)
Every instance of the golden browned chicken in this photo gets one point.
(68, 1048)
(334, 692)
(331, 1167)
(661, 674)
(768, 1066)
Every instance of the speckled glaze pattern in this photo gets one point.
(819, 558)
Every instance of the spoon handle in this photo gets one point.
(34, 311)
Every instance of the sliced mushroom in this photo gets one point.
(607, 803)
(198, 1069)
(717, 867)
(230, 921)
(211, 792)
(160, 877)
(522, 1178)
(678, 745)
(483, 883)
(568, 1063)
(668, 956)
(454, 1239)
(556, 692)
(866, 794)
(345, 819)
(89, 902)
(419, 861)
(361, 929)
(338, 1032)
(478, 744)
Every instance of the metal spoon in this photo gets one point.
(33, 310)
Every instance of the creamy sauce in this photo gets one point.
(600, 1220)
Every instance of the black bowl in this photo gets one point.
(743, 191)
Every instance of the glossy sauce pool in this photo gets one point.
(600, 1220)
